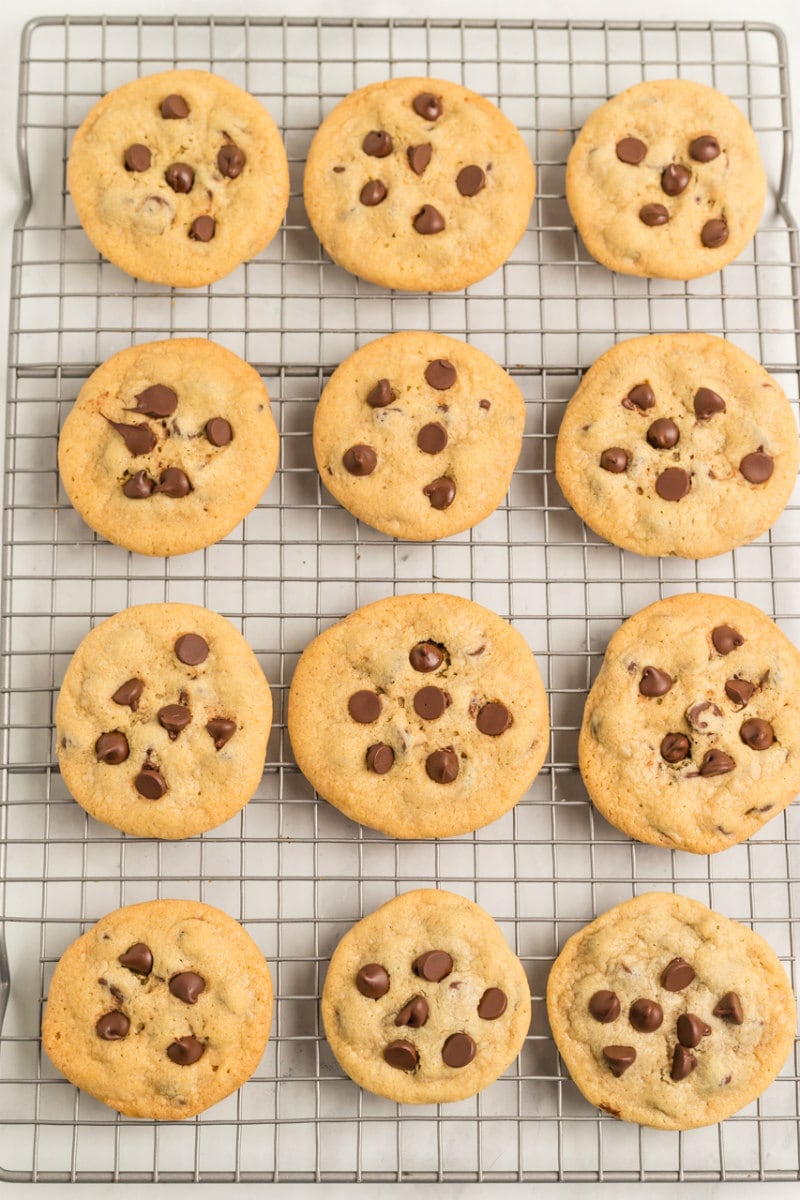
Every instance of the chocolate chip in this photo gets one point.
(492, 1004)
(128, 693)
(673, 484)
(113, 1026)
(381, 394)
(440, 374)
(631, 150)
(675, 747)
(691, 1030)
(442, 766)
(683, 1063)
(441, 492)
(677, 975)
(360, 460)
(191, 649)
(604, 1006)
(433, 965)
(414, 1014)
(757, 734)
(185, 1051)
(378, 143)
(485, 405)
(187, 986)
(757, 467)
(619, 1058)
(739, 690)
(430, 702)
(137, 157)
(231, 160)
(221, 730)
(432, 438)
(202, 229)
(614, 459)
(218, 431)
(374, 192)
(180, 178)
(716, 762)
(380, 758)
(707, 403)
(174, 108)
(654, 682)
(714, 233)
(470, 180)
(663, 434)
(174, 718)
(729, 1008)
(640, 397)
(726, 639)
(364, 707)
(704, 149)
(653, 214)
(138, 958)
(427, 105)
(428, 220)
(138, 439)
(156, 401)
(372, 981)
(493, 719)
(173, 483)
(646, 1015)
(426, 656)
(698, 714)
(139, 486)
(674, 179)
(401, 1055)
(112, 748)
(419, 157)
(150, 783)
(458, 1050)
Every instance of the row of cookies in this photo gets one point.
(411, 183)
(665, 1012)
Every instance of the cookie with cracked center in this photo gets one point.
(668, 1014)
(417, 435)
(420, 716)
(423, 1001)
(666, 179)
(678, 443)
(179, 177)
(691, 732)
(418, 184)
(160, 1010)
(168, 446)
(162, 721)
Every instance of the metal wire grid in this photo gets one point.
(291, 868)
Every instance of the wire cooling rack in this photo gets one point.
(294, 870)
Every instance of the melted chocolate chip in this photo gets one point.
(716, 762)
(187, 986)
(414, 1014)
(691, 1030)
(757, 467)
(378, 143)
(380, 758)
(202, 229)
(174, 483)
(604, 1007)
(364, 707)
(112, 748)
(663, 434)
(430, 702)
(427, 106)
(673, 484)
(442, 766)
(619, 1058)
(441, 492)
(185, 1051)
(156, 401)
(432, 438)
(401, 1055)
(360, 460)
(137, 157)
(458, 1050)
(631, 150)
(191, 649)
(174, 718)
(757, 734)
(729, 1008)
(372, 981)
(492, 1004)
(683, 1063)
(470, 180)
(139, 486)
(138, 439)
(704, 149)
(653, 214)
(677, 975)
(426, 656)
(218, 431)
(440, 374)
(725, 639)
(714, 233)
(707, 403)
(493, 719)
(646, 1015)
(221, 731)
(174, 108)
(698, 714)
(428, 220)
(433, 965)
(129, 694)
(614, 459)
(738, 690)
(655, 682)
(113, 1026)
(675, 747)
(230, 161)
(180, 177)
(640, 397)
(675, 179)
(381, 394)
(374, 192)
(419, 157)
(150, 783)
(138, 958)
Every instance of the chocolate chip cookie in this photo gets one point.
(423, 1001)
(160, 1010)
(668, 1014)
(418, 184)
(691, 732)
(162, 721)
(177, 178)
(666, 179)
(417, 435)
(168, 446)
(678, 443)
(421, 716)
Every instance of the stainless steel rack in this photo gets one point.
(289, 866)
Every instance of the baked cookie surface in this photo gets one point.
(418, 434)
(423, 1001)
(162, 721)
(160, 1010)
(179, 177)
(665, 179)
(668, 1014)
(418, 184)
(691, 732)
(168, 446)
(677, 443)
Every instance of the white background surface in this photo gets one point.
(12, 17)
